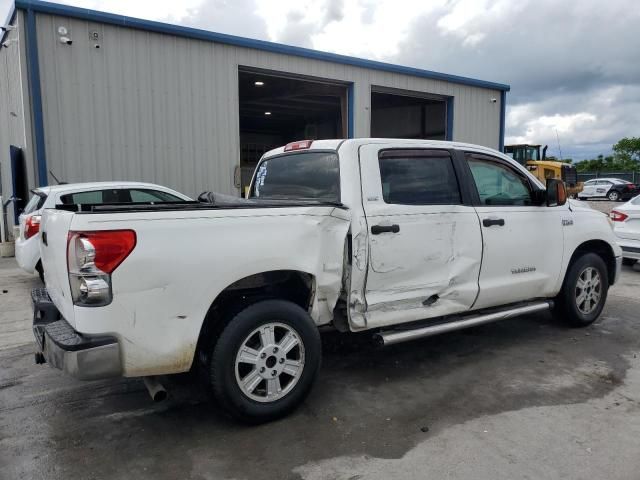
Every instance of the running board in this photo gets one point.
(391, 337)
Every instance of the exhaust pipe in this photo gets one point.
(392, 337)
(155, 388)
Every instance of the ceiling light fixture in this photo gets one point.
(258, 84)
(267, 113)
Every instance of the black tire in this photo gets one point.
(566, 305)
(614, 196)
(629, 262)
(40, 271)
(222, 369)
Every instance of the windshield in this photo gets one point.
(532, 153)
(304, 176)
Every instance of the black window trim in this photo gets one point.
(466, 197)
(300, 152)
(487, 157)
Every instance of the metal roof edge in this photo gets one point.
(8, 21)
(159, 27)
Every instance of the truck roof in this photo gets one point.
(335, 144)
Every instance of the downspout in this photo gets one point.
(33, 69)
(503, 111)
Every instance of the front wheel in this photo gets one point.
(584, 291)
(265, 361)
(614, 196)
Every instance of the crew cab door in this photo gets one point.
(424, 243)
(523, 242)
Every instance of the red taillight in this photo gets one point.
(31, 226)
(299, 145)
(617, 216)
(111, 247)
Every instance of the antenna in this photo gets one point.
(55, 178)
(558, 140)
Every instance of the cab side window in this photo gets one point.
(418, 177)
(499, 184)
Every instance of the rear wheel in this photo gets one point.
(584, 291)
(614, 195)
(265, 361)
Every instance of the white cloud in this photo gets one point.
(572, 68)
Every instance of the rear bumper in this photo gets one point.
(630, 248)
(85, 357)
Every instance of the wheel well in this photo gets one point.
(601, 248)
(291, 285)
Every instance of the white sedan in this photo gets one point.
(626, 226)
(27, 243)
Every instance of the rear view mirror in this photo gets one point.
(556, 193)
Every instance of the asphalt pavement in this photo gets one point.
(525, 398)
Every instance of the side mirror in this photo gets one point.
(556, 193)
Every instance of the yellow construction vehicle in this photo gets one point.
(529, 156)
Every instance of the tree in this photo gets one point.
(628, 149)
(625, 158)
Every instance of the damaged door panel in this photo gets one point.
(425, 246)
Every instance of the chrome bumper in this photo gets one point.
(85, 357)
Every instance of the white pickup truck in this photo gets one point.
(404, 238)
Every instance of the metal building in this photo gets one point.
(87, 95)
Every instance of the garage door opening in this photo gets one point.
(396, 115)
(276, 109)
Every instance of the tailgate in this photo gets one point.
(54, 230)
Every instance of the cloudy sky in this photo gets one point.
(573, 66)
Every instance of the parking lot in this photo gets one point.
(524, 398)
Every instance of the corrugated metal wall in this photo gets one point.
(154, 107)
(15, 116)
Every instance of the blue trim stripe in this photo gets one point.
(503, 112)
(33, 69)
(120, 20)
(350, 111)
(449, 133)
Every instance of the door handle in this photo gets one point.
(378, 229)
(489, 222)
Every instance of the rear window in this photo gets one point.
(418, 178)
(303, 176)
(636, 201)
(151, 196)
(36, 203)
